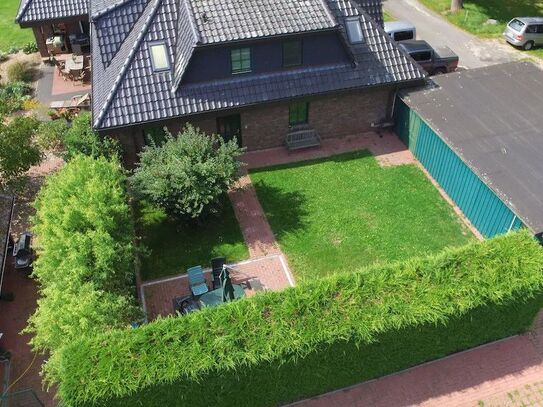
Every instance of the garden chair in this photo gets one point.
(75, 103)
(216, 267)
(197, 281)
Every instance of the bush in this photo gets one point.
(19, 72)
(186, 175)
(17, 150)
(13, 50)
(3, 56)
(30, 48)
(330, 333)
(82, 139)
(50, 134)
(13, 97)
(85, 264)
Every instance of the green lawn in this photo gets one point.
(12, 34)
(477, 12)
(173, 247)
(345, 212)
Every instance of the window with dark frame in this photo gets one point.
(159, 56)
(298, 113)
(292, 53)
(240, 59)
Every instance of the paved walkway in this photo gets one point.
(504, 373)
(385, 146)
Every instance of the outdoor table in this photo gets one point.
(214, 298)
(74, 63)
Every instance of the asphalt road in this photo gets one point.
(473, 52)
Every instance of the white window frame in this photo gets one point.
(167, 56)
(354, 23)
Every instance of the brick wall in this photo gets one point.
(266, 126)
(44, 31)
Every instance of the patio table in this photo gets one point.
(214, 298)
(74, 63)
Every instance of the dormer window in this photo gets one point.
(159, 56)
(292, 53)
(240, 59)
(354, 30)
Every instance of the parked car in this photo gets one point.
(524, 32)
(434, 61)
(401, 30)
(22, 251)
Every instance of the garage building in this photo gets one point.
(479, 133)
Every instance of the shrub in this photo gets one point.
(19, 72)
(322, 335)
(85, 264)
(30, 104)
(3, 56)
(30, 48)
(50, 134)
(13, 96)
(82, 139)
(17, 150)
(186, 175)
(13, 50)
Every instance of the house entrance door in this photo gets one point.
(229, 127)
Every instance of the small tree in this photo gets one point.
(17, 150)
(82, 139)
(457, 5)
(187, 174)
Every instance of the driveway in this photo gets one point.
(473, 52)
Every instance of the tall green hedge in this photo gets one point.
(85, 264)
(330, 333)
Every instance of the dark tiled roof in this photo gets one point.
(222, 21)
(39, 10)
(128, 92)
(113, 27)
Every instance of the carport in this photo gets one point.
(479, 133)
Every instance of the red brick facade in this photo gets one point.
(267, 125)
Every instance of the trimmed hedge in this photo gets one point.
(330, 333)
(85, 264)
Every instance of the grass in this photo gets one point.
(345, 212)
(477, 12)
(173, 247)
(12, 34)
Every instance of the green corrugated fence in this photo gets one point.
(478, 202)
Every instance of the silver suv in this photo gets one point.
(525, 32)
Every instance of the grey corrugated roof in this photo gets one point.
(39, 10)
(222, 21)
(132, 93)
(492, 119)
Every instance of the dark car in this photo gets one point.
(434, 61)
(22, 251)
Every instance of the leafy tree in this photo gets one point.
(456, 5)
(85, 264)
(51, 134)
(186, 175)
(82, 139)
(17, 150)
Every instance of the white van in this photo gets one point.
(400, 30)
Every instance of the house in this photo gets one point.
(59, 26)
(253, 70)
(479, 134)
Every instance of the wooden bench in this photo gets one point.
(302, 139)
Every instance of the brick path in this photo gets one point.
(504, 373)
(385, 146)
(272, 271)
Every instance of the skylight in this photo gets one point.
(159, 56)
(354, 30)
